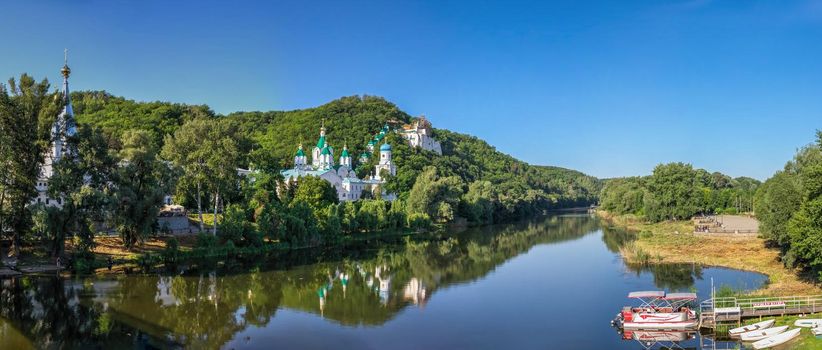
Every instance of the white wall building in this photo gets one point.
(342, 175)
(419, 134)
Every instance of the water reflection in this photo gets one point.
(206, 307)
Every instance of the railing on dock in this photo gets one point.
(716, 311)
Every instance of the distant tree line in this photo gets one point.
(677, 191)
(789, 208)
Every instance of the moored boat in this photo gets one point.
(659, 336)
(762, 333)
(751, 327)
(808, 323)
(659, 311)
(778, 339)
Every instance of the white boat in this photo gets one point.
(751, 327)
(659, 311)
(762, 333)
(816, 330)
(808, 323)
(777, 339)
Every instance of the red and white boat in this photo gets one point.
(659, 311)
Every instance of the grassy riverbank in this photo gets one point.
(674, 242)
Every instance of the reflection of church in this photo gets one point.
(415, 292)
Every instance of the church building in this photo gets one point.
(342, 175)
(62, 128)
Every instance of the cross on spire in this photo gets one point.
(65, 71)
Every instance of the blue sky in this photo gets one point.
(611, 88)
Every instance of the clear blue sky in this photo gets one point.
(607, 87)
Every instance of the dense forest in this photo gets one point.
(127, 155)
(789, 208)
(677, 191)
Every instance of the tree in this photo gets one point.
(27, 111)
(222, 168)
(776, 202)
(434, 195)
(184, 149)
(81, 180)
(141, 182)
(348, 213)
(315, 192)
(207, 151)
(673, 192)
(789, 207)
(479, 202)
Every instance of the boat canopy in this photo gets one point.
(681, 296)
(647, 294)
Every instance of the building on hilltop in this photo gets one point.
(341, 176)
(419, 134)
(63, 128)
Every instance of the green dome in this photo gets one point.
(326, 151)
(385, 147)
(344, 152)
(300, 152)
(365, 155)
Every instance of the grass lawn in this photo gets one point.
(674, 242)
(208, 219)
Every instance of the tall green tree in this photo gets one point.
(184, 149)
(81, 181)
(141, 182)
(776, 202)
(673, 192)
(434, 195)
(27, 109)
(206, 149)
(315, 192)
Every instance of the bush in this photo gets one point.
(419, 221)
(252, 238)
(172, 250)
(205, 240)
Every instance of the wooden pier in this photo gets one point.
(718, 311)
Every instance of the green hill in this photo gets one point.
(269, 140)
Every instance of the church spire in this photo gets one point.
(66, 118)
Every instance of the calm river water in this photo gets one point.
(552, 283)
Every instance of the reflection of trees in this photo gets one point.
(615, 238)
(673, 277)
(204, 309)
(46, 311)
(666, 276)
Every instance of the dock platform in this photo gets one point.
(731, 310)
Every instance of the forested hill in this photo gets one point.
(269, 140)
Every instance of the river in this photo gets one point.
(550, 283)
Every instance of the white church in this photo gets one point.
(63, 128)
(341, 176)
